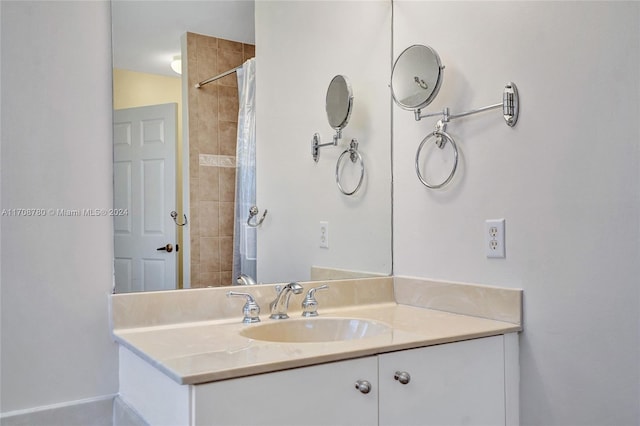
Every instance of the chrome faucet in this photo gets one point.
(280, 305)
(244, 279)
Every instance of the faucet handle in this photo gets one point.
(251, 310)
(293, 286)
(310, 304)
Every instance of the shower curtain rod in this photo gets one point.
(224, 74)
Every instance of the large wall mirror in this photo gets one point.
(175, 151)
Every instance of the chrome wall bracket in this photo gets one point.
(510, 108)
(510, 104)
(316, 145)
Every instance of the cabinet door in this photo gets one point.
(452, 384)
(319, 395)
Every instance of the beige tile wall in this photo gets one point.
(213, 116)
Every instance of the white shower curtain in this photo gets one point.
(244, 237)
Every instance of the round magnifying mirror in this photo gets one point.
(416, 77)
(339, 102)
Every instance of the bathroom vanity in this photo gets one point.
(369, 358)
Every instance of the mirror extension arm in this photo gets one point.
(510, 108)
(316, 145)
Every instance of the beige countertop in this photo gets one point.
(210, 350)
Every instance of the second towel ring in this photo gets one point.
(442, 138)
(354, 156)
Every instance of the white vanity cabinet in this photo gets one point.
(459, 383)
(473, 382)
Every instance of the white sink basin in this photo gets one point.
(309, 330)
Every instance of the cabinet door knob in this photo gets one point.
(363, 386)
(403, 377)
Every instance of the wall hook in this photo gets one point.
(253, 211)
(174, 216)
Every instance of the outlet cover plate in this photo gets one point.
(494, 238)
(324, 234)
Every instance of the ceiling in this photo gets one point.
(146, 33)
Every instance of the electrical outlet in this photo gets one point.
(324, 234)
(494, 238)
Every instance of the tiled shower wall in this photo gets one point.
(213, 123)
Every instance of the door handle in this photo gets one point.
(168, 248)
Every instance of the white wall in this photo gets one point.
(300, 47)
(56, 152)
(566, 179)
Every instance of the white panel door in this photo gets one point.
(144, 183)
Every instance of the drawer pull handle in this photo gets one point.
(403, 377)
(363, 386)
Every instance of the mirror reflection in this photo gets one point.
(198, 175)
(416, 77)
(339, 102)
(195, 174)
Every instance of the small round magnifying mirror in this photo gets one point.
(416, 77)
(339, 102)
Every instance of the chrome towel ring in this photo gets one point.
(354, 156)
(442, 138)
